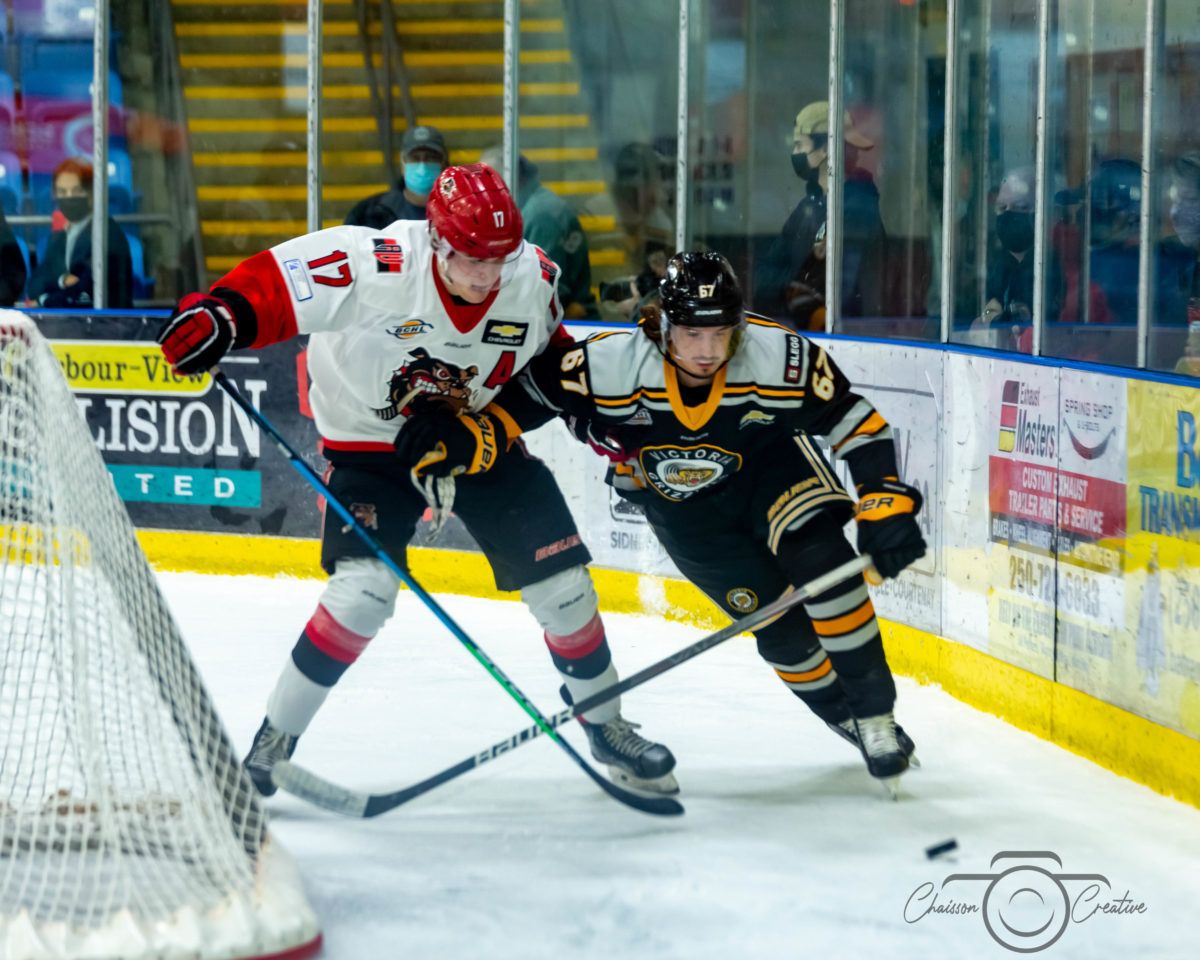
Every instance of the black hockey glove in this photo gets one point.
(887, 525)
(200, 332)
(443, 445)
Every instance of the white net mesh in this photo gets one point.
(127, 827)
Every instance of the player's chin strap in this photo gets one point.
(438, 491)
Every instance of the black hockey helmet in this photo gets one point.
(701, 290)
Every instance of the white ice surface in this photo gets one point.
(787, 850)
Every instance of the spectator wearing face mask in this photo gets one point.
(64, 277)
(791, 282)
(423, 156)
(1009, 288)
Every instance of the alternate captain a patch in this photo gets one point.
(678, 473)
(389, 255)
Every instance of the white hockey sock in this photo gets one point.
(582, 689)
(294, 701)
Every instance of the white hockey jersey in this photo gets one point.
(383, 324)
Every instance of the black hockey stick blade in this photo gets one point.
(306, 785)
(302, 783)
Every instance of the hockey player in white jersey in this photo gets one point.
(417, 323)
(709, 415)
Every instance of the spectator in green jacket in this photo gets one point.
(553, 225)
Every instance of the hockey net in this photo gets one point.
(127, 826)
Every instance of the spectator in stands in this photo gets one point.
(1177, 274)
(1115, 197)
(1010, 264)
(1009, 285)
(552, 224)
(423, 156)
(12, 266)
(642, 196)
(640, 193)
(64, 277)
(791, 281)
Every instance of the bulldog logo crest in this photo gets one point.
(426, 382)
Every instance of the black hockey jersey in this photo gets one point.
(690, 442)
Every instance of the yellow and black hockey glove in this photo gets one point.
(887, 524)
(443, 445)
(437, 447)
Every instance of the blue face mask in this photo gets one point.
(420, 177)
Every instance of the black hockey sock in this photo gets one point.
(843, 617)
(798, 659)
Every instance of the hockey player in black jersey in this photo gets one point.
(709, 417)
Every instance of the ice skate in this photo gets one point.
(879, 742)
(269, 747)
(846, 730)
(632, 760)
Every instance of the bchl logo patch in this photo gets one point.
(742, 599)
(678, 473)
(389, 255)
(409, 329)
(504, 333)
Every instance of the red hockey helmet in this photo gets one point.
(472, 210)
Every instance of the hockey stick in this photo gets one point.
(662, 806)
(353, 803)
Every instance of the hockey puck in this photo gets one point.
(938, 849)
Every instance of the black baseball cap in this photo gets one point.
(424, 137)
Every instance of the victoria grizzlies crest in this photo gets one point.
(680, 472)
